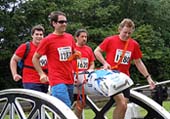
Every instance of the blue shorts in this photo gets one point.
(36, 86)
(64, 92)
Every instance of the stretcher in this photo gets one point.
(102, 82)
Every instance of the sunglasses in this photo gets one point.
(62, 22)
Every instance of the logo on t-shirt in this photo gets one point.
(64, 53)
(126, 57)
(43, 60)
(82, 63)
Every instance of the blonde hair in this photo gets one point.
(128, 23)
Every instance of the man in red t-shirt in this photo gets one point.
(87, 56)
(124, 46)
(30, 77)
(85, 62)
(58, 46)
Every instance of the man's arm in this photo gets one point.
(98, 53)
(143, 70)
(92, 65)
(36, 63)
(13, 66)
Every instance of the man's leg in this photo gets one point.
(78, 107)
(70, 88)
(121, 106)
(78, 110)
(60, 91)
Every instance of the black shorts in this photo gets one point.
(126, 93)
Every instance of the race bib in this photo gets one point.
(43, 60)
(82, 63)
(64, 53)
(126, 57)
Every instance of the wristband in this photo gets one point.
(147, 76)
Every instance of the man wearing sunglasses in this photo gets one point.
(58, 46)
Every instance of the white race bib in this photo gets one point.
(64, 53)
(126, 57)
(43, 60)
(82, 63)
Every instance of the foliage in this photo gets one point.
(151, 41)
(101, 18)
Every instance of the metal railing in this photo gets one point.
(43, 106)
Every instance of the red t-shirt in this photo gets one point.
(87, 56)
(58, 48)
(30, 75)
(113, 46)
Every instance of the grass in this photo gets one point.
(89, 114)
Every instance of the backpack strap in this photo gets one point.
(26, 50)
(25, 55)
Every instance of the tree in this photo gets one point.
(100, 18)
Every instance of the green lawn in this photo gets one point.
(89, 114)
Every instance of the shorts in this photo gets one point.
(64, 92)
(36, 86)
(126, 93)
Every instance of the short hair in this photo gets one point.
(128, 23)
(54, 16)
(38, 28)
(77, 33)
